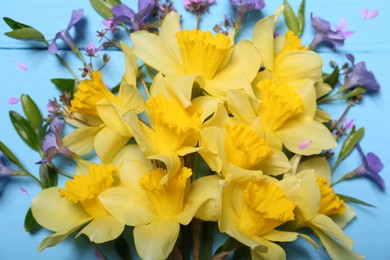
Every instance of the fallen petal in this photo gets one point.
(21, 65)
(13, 100)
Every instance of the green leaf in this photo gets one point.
(48, 175)
(14, 24)
(10, 155)
(104, 7)
(349, 144)
(24, 129)
(64, 85)
(27, 34)
(41, 135)
(32, 112)
(122, 248)
(115, 89)
(333, 78)
(355, 92)
(301, 18)
(354, 200)
(290, 18)
(29, 221)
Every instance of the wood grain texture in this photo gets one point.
(370, 43)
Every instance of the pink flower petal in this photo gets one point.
(24, 191)
(21, 65)
(341, 26)
(369, 14)
(304, 144)
(13, 100)
(347, 34)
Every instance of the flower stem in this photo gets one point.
(196, 228)
(145, 87)
(335, 124)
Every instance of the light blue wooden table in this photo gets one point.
(370, 42)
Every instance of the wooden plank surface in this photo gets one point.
(370, 43)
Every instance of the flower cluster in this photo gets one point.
(230, 133)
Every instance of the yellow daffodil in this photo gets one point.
(238, 150)
(221, 64)
(286, 114)
(100, 112)
(156, 210)
(252, 209)
(66, 210)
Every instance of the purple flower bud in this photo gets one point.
(359, 76)
(110, 24)
(125, 14)
(197, 6)
(324, 33)
(248, 5)
(370, 167)
(64, 34)
(90, 51)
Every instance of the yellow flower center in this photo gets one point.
(264, 208)
(89, 92)
(244, 147)
(172, 122)
(280, 103)
(84, 188)
(292, 43)
(330, 202)
(167, 199)
(203, 52)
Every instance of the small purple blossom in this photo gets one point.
(370, 167)
(248, 5)
(90, 51)
(64, 34)
(110, 24)
(52, 143)
(359, 76)
(341, 27)
(4, 170)
(125, 14)
(165, 8)
(324, 33)
(197, 6)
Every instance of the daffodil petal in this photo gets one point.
(335, 249)
(126, 206)
(129, 152)
(343, 220)
(309, 204)
(131, 65)
(307, 92)
(107, 143)
(156, 239)
(181, 87)
(210, 139)
(329, 227)
(54, 212)
(208, 104)
(80, 141)
(245, 58)
(320, 165)
(172, 163)
(241, 105)
(219, 86)
(302, 129)
(280, 236)
(232, 172)
(111, 114)
(263, 38)
(169, 27)
(321, 116)
(102, 229)
(277, 163)
(274, 251)
(148, 46)
(56, 238)
(322, 89)
(203, 200)
(131, 98)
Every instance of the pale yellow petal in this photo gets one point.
(208, 104)
(277, 163)
(156, 240)
(107, 143)
(131, 98)
(181, 87)
(335, 249)
(219, 118)
(172, 163)
(307, 93)
(297, 65)
(241, 105)
(232, 172)
(102, 229)
(148, 46)
(129, 152)
(169, 27)
(131, 65)
(320, 166)
(245, 58)
(263, 38)
(330, 228)
(127, 206)
(321, 116)
(211, 139)
(203, 200)
(343, 220)
(218, 86)
(80, 141)
(280, 236)
(111, 114)
(56, 238)
(306, 129)
(79, 120)
(309, 204)
(322, 88)
(54, 212)
(274, 251)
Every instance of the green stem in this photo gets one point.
(66, 174)
(63, 62)
(36, 179)
(98, 250)
(145, 87)
(335, 124)
(198, 17)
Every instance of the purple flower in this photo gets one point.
(4, 170)
(324, 33)
(90, 51)
(360, 76)
(125, 14)
(64, 34)
(248, 5)
(110, 24)
(197, 6)
(52, 143)
(370, 168)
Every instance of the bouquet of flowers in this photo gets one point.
(203, 134)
